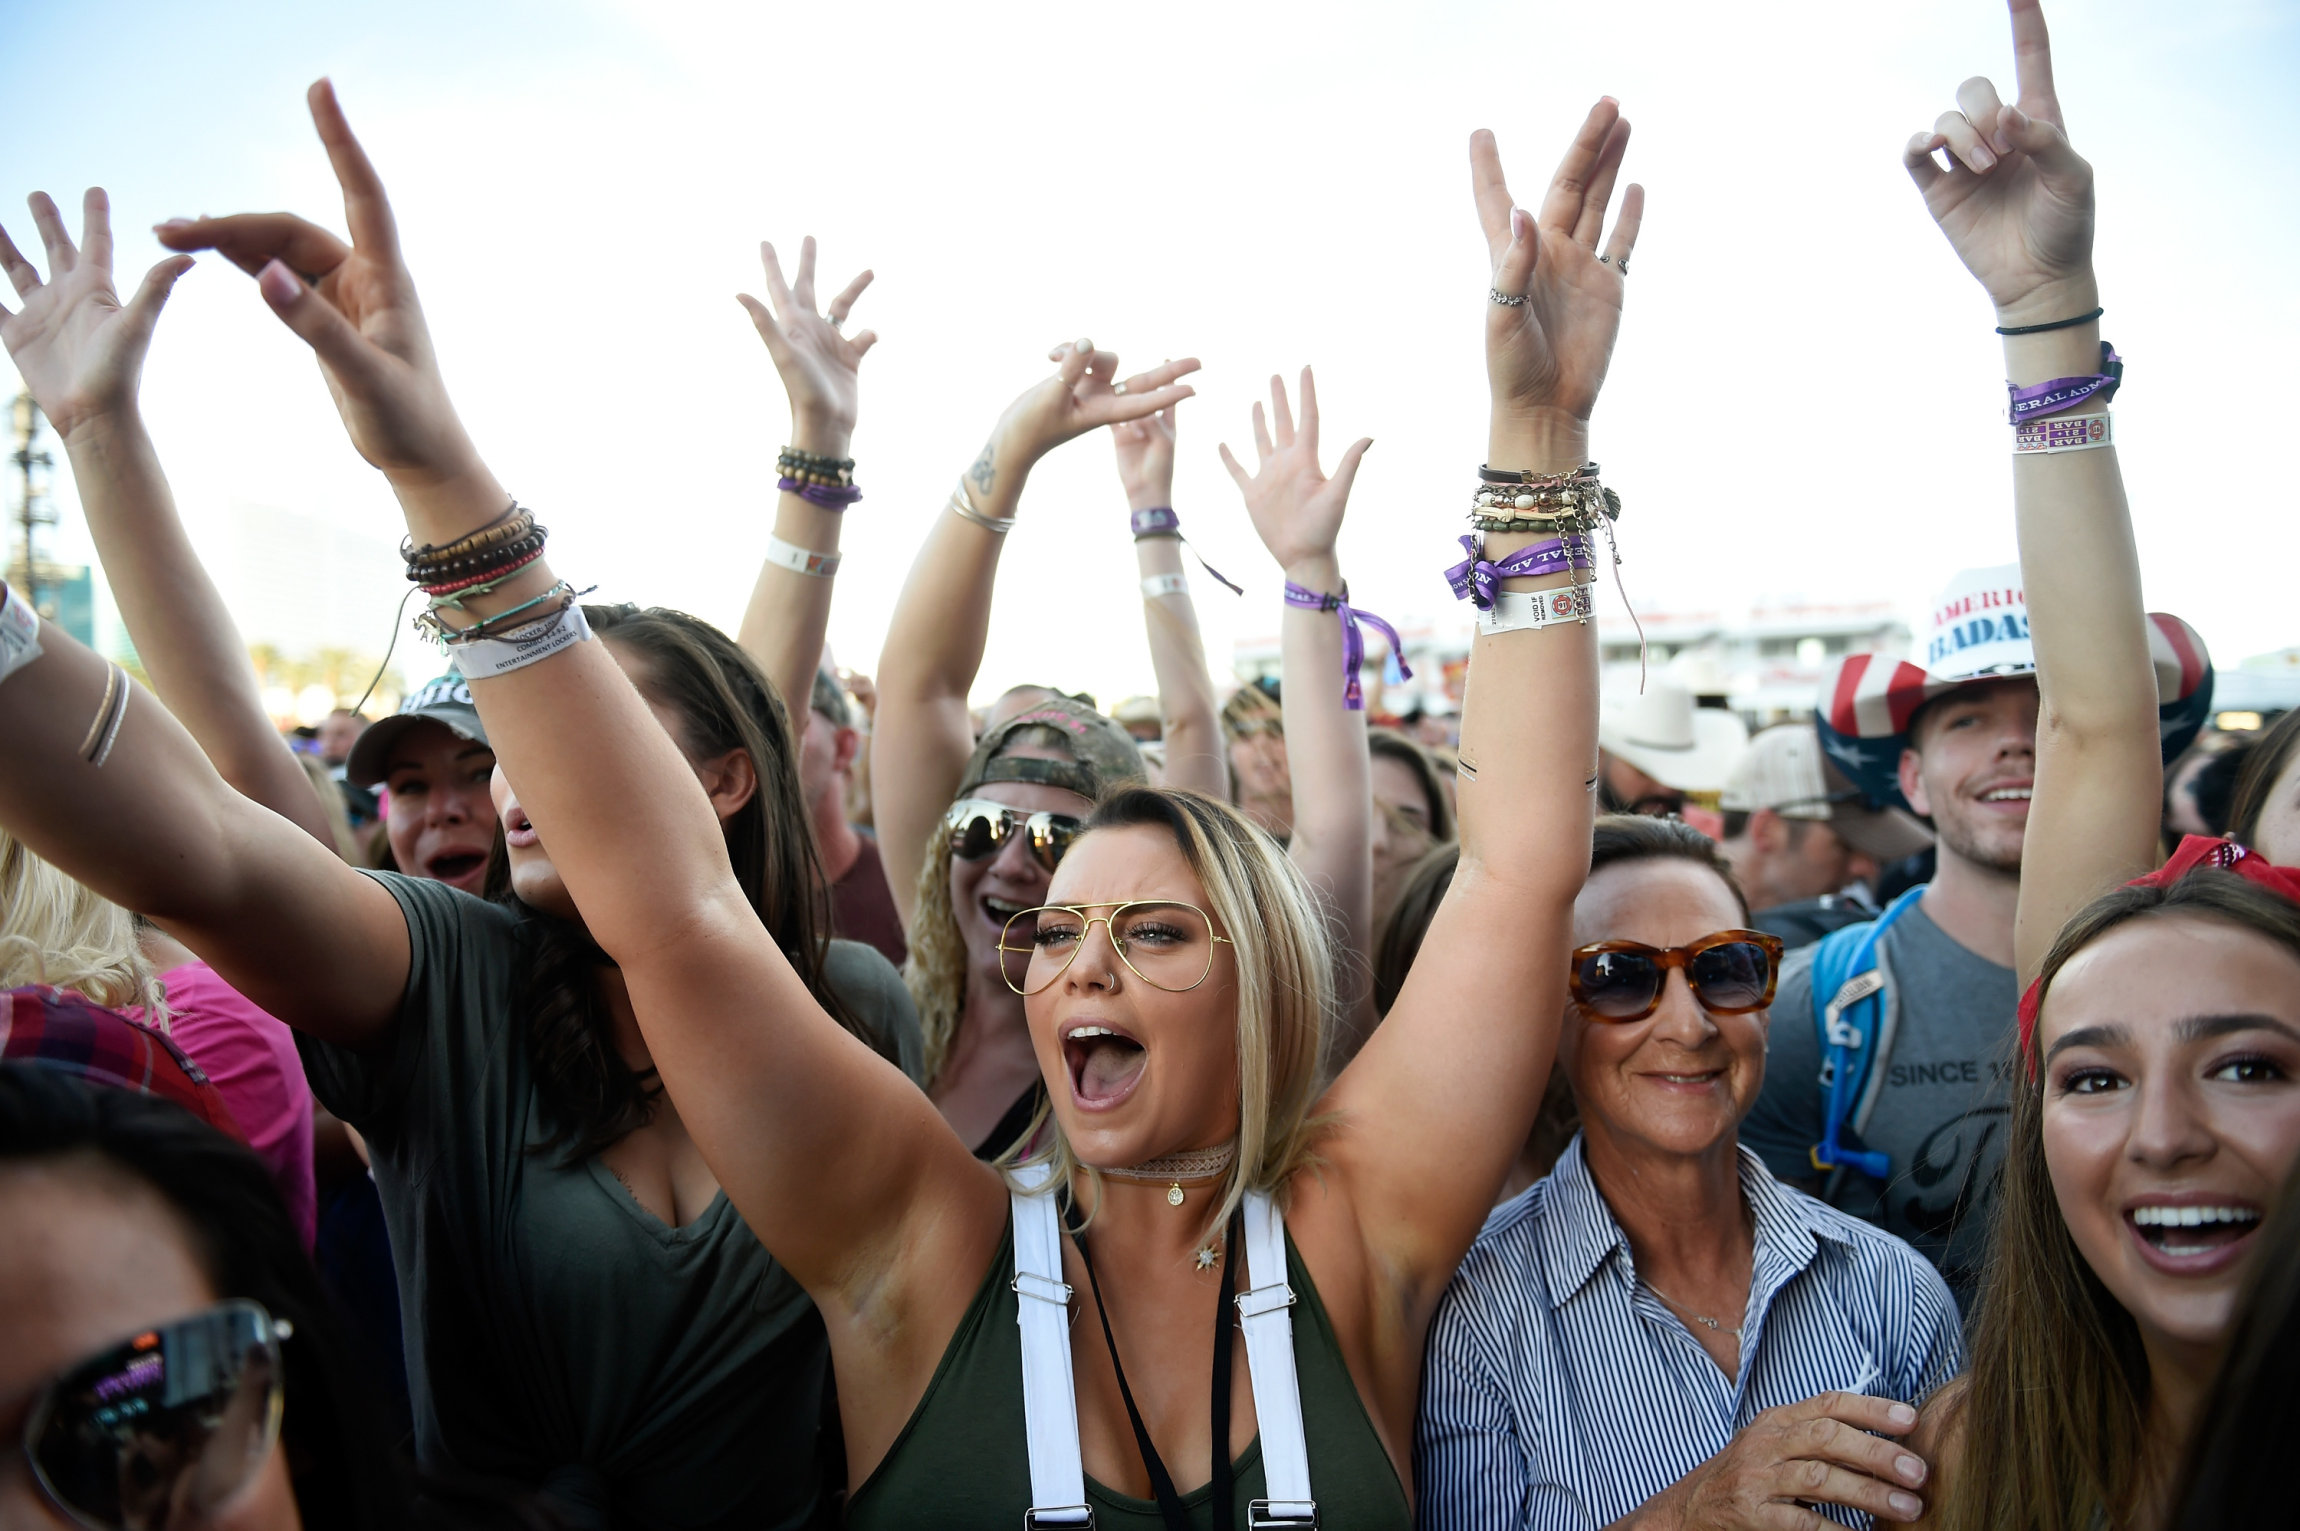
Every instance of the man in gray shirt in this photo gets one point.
(1954, 741)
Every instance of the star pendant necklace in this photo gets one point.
(1198, 1165)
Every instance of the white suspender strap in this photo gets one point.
(1269, 1325)
(1049, 1395)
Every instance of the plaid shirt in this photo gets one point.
(61, 1030)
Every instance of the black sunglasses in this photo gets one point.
(165, 1428)
(979, 828)
(1731, 972)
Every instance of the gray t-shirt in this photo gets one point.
(557, 1333)
(1940, 1115)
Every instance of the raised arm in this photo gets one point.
(1297, 511)
(81, 353)
(791, 604)
(921, 735)
(103, 782)
(1437, 1104)
(1190, 720)
(2017, 208)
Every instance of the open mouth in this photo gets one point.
(1105, 1065)
(2007, 795)
(999, 910)
(519, 831)
(456, 867)
(2193, 1233)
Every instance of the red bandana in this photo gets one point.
(2195, 851)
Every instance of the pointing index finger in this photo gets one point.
(365, 207)
(2032, 62)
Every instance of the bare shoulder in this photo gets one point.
(1940, 1439)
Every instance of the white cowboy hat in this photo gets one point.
(1668, 738)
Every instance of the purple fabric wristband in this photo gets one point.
(828, 496)
(2060, 394)
(1160, 521)
(1474, 579)
(1353, 640)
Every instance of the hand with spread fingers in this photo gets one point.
(355, 305)
(1081, 395)
(80, 351)
(2016, 200)
(818, 364)
(1296, 509)
(1555, 306)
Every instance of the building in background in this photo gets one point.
(1764, 663)
(62, 593)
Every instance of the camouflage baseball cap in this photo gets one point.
(1102, 755)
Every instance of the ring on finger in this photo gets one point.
(1496, 295)
(836, 319)
(1117, 387)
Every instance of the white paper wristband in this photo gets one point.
(789, 555)
(1517, 610)
(19, 632)
(2063, 433)
(485, 658)
(1155, 585)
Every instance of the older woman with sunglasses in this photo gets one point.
(1659, 1334)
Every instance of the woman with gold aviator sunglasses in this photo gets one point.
(905, 1241)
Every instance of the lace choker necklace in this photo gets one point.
(1197, 1164)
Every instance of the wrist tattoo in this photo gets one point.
(984, 473)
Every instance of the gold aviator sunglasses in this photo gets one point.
(1166, 944)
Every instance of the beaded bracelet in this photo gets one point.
(1353, 640)
(515, 523)
(480, 584)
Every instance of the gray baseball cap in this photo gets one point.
(446, 700)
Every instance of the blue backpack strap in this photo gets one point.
(1848, 1012)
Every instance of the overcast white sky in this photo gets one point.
(581, 188)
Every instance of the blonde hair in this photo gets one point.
(1286, 1000)
(340, 837)
(935, 971)
(54, 931)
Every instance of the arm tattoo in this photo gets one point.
(983, 473)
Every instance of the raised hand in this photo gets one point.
(2016, 202)
(355, 305)
(1296, 509)
(1145, 452)
(1546, 356)
(80, 351)
(1080, 396)
(817, 363)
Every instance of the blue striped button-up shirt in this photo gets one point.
(1559, 1392)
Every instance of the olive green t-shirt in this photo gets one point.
(558, 1334)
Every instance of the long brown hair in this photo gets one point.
(724, 702)
(2053, 1414)
(2263, 764)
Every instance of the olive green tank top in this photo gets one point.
(962, 1463)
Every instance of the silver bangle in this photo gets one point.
(962, 506)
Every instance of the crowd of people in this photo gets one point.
(604, 1093)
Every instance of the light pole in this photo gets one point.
(31, 512)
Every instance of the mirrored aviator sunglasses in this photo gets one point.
(1731, 972)
(980, 828)
(166, 1428)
